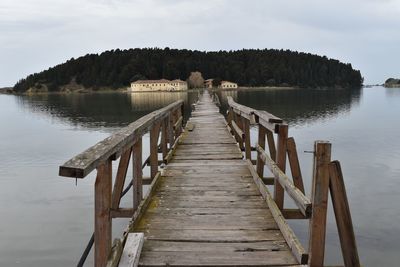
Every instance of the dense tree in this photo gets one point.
(247, 67)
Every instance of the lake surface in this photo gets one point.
(46, 220)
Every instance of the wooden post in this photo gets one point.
(238, 121)
(271, 145)
(319, 200)
(154, 133)
(261, 143)
(171, 136)
(281, 162)
(137, 173)
(343, 216)
(294, 164)
(102, 216)
(120, 178)
(247, 144)
(164, 138)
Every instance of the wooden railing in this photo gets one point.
(327, 175)
(124, 145)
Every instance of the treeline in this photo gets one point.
(247, 67)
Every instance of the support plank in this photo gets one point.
(261, 142)
(131, 253)
(281, 162)
(137, 173)
(294, 164)
(319, 198)
(154, 134)
(102, 217)
(343, 215)
(120, 178)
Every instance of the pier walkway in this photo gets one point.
(207, 202)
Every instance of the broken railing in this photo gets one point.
(124, 145)
(327, 176)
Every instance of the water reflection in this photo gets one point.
(297, 106)
(102, 110)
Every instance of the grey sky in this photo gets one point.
(38, 34)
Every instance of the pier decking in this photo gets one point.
(208, 203)
(206, 209)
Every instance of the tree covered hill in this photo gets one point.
(247, 67)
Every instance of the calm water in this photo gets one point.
(47, 220)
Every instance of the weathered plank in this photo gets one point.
(132, 249)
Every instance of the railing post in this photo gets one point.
(261, 143)
(281, 162)
(164, 138)
(319, 200)
(247, 144)
(154, 133)
(137, 173)
(102, 218)
(343, 216)
(294, 164)
(171, 136)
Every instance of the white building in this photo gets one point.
(158, 85)
(227, 85)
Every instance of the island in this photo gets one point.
(118, 69)
(392, 83)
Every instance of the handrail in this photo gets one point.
(326, 176)
(165, 127)
(81, 165)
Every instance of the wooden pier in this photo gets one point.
(208, 204)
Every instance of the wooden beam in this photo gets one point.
(137, 174)
(293, 214)
(82, 164)
(132, 249)
(102, 218)
(238, 133)
(246, 130)
(271, 144)
(154, 134)
(261, 142)
(293, 242)
(281, 163)
(120, 178)
(121, 213)
(343, 215)
(164, 137)
(294, 164)
(299, 198)
(319, 198)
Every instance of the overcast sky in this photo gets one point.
(38, 34)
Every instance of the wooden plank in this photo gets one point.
(249, 258)
(319, 197)
(132, 249)
(290, 237)
(294, 164)
(246, 130)
(164, 137)
(281, 163)
(299, 198)
(82, 164)
(261, 142)
(137, 183)
(102, 206)
(271, 145)
(120, 178)
(154, 134)
(343, 215)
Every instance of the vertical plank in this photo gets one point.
(238, 121)
(154, 133)
(171, 137)
(120, 178)
(164, 138)
(281, 162)
(261, 142)
(102, 218)
(343, 216)
(137, 173)
(294, 164)
(271, 145)
(247, 144)
(319, 199)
